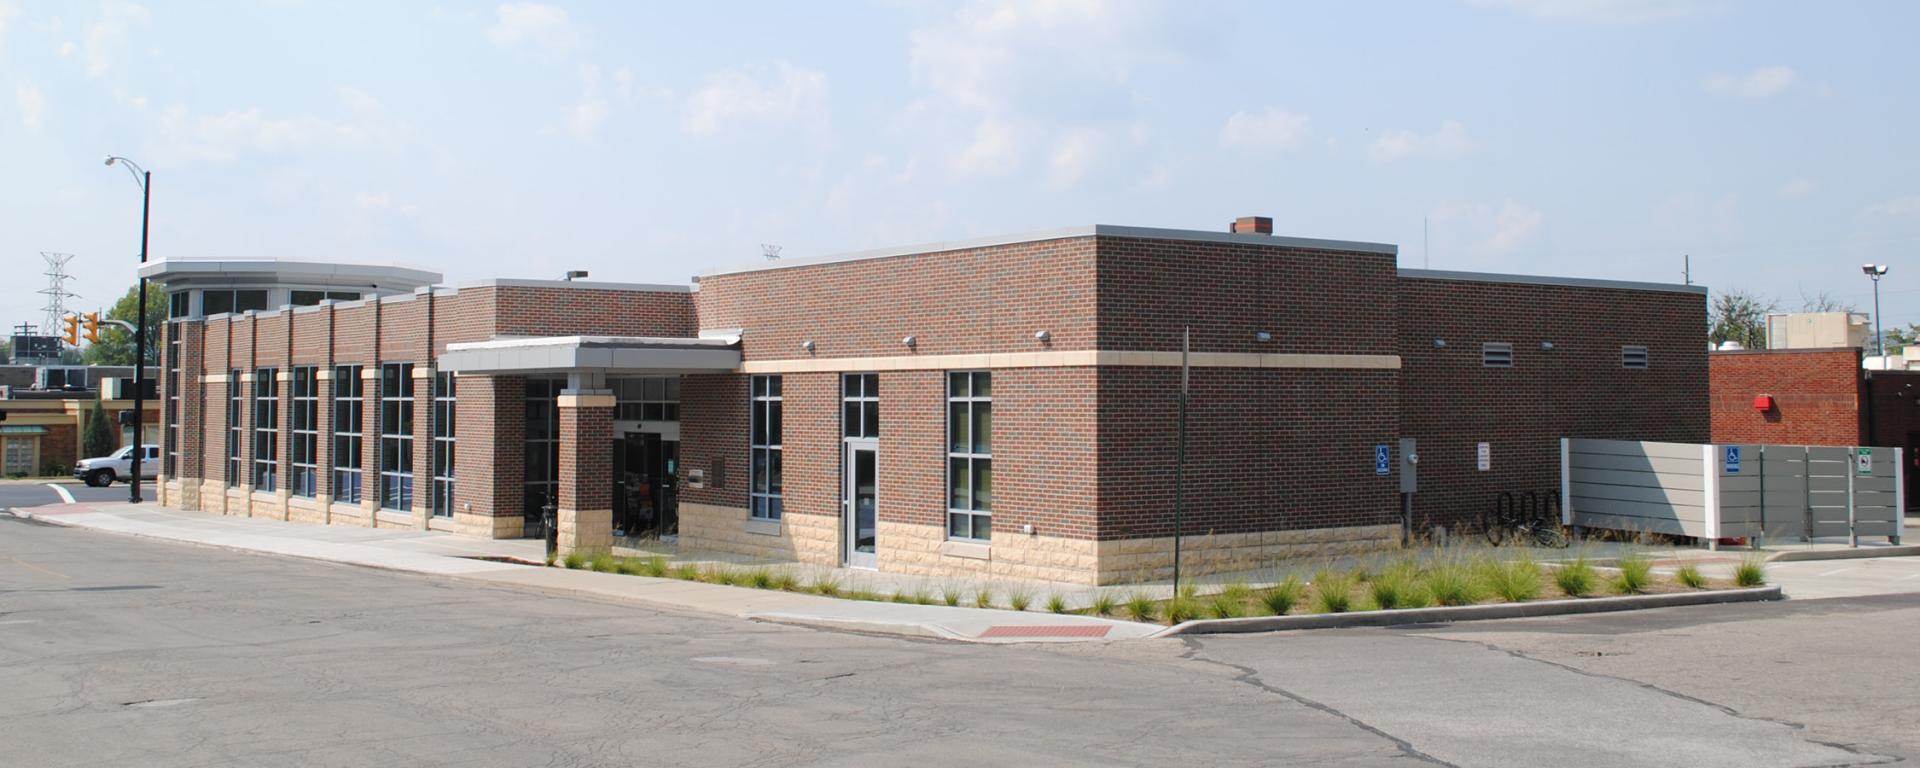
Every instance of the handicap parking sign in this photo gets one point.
(1733, 459)
(1382, 460)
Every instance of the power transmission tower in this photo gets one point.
(56, 290)
(772, 252)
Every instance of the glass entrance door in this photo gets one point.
(860, 519)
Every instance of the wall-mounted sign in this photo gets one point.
(1864, 461)
(1733, 459)
(1483, 458)
(1382, 460)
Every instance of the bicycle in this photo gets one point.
(1534, 525)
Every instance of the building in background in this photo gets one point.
(1002, 407)
(43, 413)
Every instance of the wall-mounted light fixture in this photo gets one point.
(807, 346)
(1262, 336)
(1042, 336)
(575, 274)
(1439, 343)
(910, 341)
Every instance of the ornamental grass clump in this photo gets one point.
(1019, 598)
(1636, 573)
(1056, 603)
(825, 585)
(1226, 606)
(758, 578)
(1140, 607)
(983, 598)
(1396, 586)
(605, 563)
(1451, 583)
(1516, 580)
(1332, 593)
(575, 560)
(1751, 572)
(1103, 604)
(1690, 575)
(1576, 579)
(655, 566)
(1182, 608)
(1283, 597)
(785, 581)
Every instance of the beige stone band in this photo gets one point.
(1072, 359)
(587, 401)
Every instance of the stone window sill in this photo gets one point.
(967, 549)
(763, 527)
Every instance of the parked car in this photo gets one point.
(101, 472)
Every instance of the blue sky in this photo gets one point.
(1774, 142)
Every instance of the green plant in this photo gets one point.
(1577, 578)
(1237, 591)
(1019, 598)
(1226, 606)
(826, 585)
(1636, 572)
(983, 598)
(922, 597)
(1140, 607)
(1751, 572)
(900, 597)
(575, 560)
(1056, 603)
(1451, 583)
(627, 566)
(1333, 593)
(785, 581)
(1103, 604)
(950, 595)
(655, 566)
(1392, 588)
(550, 558)
(686, 572)
(1516, 580)
(1689, 575)
(605, 563)
(758, 578)
(1182, 608)
(1282, 598)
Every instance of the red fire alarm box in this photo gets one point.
(1763, 403)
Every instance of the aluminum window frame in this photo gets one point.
(444, 415)
(766, 488)
(266, 429)
(236, 432)
(303, 432)
(172, 417)
(859, 406)
(396, 436)
(977, 464)
(349, 433)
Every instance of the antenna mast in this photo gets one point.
(56, 290)
(772, 252)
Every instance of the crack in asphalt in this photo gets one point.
(1250, 676)
(1797, 726)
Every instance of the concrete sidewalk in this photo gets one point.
(480, 561)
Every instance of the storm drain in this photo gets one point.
(1058, 630)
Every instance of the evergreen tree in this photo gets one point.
(102, 436)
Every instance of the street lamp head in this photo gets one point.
(110, 159)
(1873, 270)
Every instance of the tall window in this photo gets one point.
(235, 436)
(542, 482)
(443, 414)
(266, 430)
(349, 427)
(766, 491)
(173, 400)
(860, 405)
(303, 440)
(396, 436)
(970, 455)
(647, 398)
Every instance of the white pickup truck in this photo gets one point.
(102, 471)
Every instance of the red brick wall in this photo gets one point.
(1450, 402)
(971, 300)
(490, 452)
(555, 311)
(586, 476)
(713, 425)
(1816, 395)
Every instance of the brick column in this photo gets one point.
(586, 471)
(193, 434)
(490, 457)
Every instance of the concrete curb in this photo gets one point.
(1468, 612)
(1793, 555)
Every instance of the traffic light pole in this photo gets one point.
(140, 348)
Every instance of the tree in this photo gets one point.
(1824, 302)
(115, 346)
(1742, 317)
(1898, 337)
(102, 436)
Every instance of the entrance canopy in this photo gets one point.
(606, 354)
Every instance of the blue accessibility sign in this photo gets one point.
(1382, 460)
(1733, 459)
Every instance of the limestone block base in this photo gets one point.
(923, 550)
(487, 526)
(586, 531)
(1125, 561)
(183, 493)
(811, 539)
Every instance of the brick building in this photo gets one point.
(1815, 396)
(1000, 407)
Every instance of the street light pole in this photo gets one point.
(145, 179)
(1874, 271)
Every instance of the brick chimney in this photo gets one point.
(1252, 225)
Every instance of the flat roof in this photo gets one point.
(1572, 282)
(1089, 230)
(285, 272)
(633, 354)
(510, 282)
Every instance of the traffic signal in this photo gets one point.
(73, 329)
(93, 328)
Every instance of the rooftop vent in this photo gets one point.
(1252, 225)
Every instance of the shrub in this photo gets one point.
(1226, 606)
(720, 574)
(1451, 584)
(655, 566)
(1577, 578)
(983, 598)
(1056, 603)
(1182, 608)
(1238, 592)
(1689, 575)
(1282, 598)
(1636, 572)
(628, 566)
(1333, 594)
(1140, 607)
(758, 578)
(575, 560)
(686, 572)
(550, 558)
(1515, 581)
(1393, 588)
(1751, 572)
(1103, 604)
(605, 564)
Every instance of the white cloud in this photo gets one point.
(1489, 230)
(994, 150)
(1451, 140)
(584, 120)
(111, 35)
(1073, 156)
(1899, 207)
(382, 201)
(1513, 226)
(67, 48)
(1800, 187)
(226, 136)
(1271, 129)
(32, 104)
(1761, 83)
(784, 95)
(1604, 11)
(545, 27)
(7, 11)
